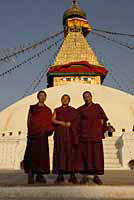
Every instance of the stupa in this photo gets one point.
(76, 69)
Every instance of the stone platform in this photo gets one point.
(118, 184)
(11, 178)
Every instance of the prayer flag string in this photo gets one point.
(33, 46)
(113, 40)
(30, 59)
(114, 33)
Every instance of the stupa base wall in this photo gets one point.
(118, 151)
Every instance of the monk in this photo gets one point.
(66, 141)
(36, 158)
(93, 124)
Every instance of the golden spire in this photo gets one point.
(74, 2)
(74, 19)
(75, 48)
(74, 11)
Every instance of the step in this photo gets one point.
(112, 166)
(110, 150)
(114, 162)
(111, 138)
(114, 146)
(110, 147)
(111, 160)
(109, 141)
(111, 156)
(108, 156)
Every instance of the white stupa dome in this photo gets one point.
(118, 105)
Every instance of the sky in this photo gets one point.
(25, 21)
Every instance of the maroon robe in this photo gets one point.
(91, 135)
(36, 156)
(66, 141)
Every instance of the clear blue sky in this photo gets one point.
(31, 20)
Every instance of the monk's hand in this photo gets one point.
(63, 124)
(102, 121)
(68, 124)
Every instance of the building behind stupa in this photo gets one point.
(75, 70)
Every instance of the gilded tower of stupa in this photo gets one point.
(76, 61)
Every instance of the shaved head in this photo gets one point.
(87, 96)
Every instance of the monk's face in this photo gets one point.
(65, 100)
(42, 97)
(87, 98)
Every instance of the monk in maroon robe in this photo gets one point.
(92, 127)
(66, 140)
(36, 158)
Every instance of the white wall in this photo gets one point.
(12, 149)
